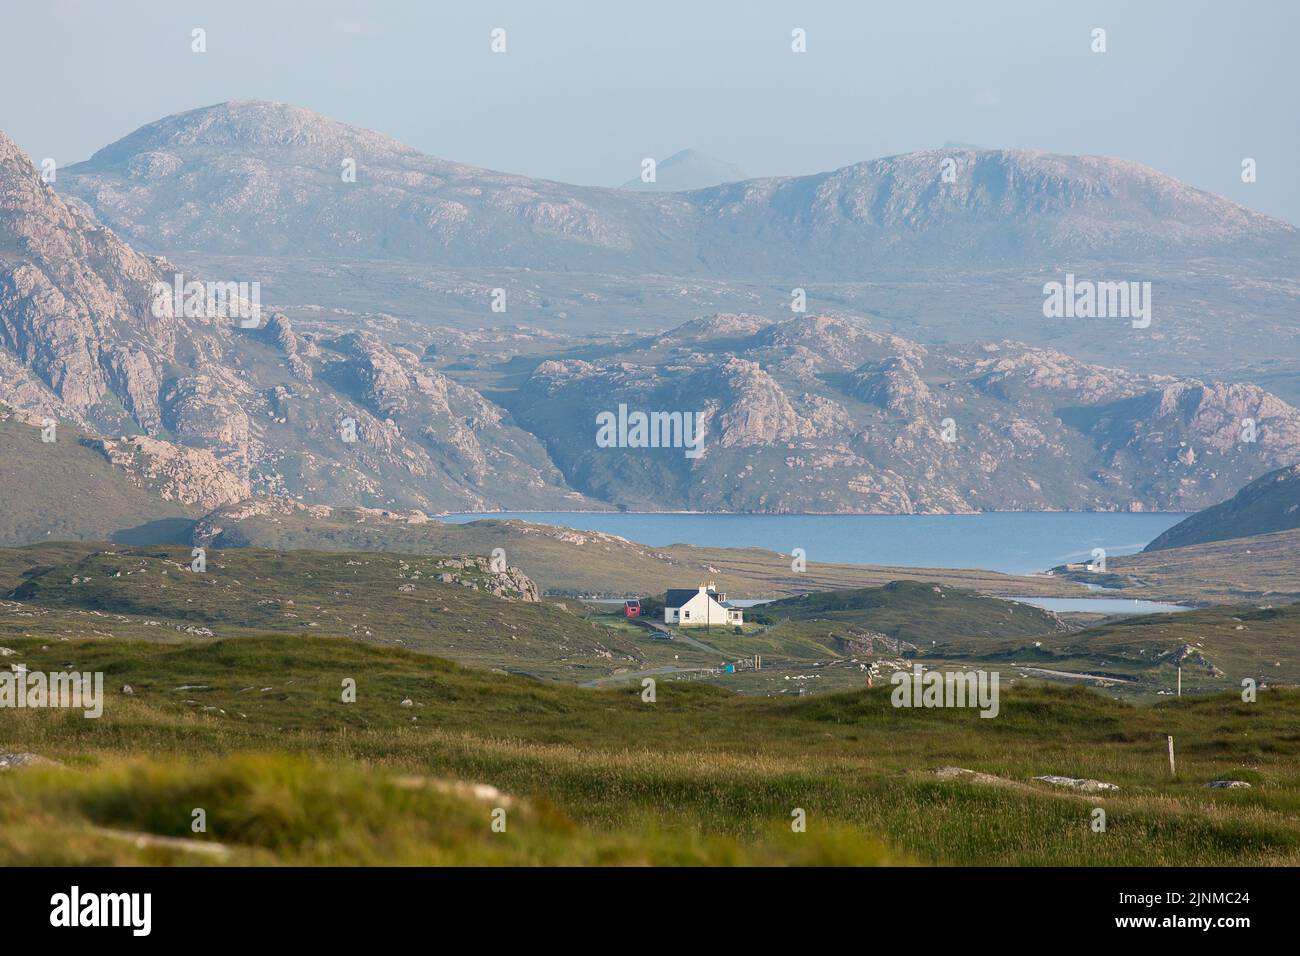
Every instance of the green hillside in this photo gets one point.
(1266, 505)
(66, 491)
(918, 612)
(1217, 647)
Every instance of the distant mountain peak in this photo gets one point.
(248, 124)
(175, 183)
(688, 169)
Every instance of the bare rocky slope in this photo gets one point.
(823, 413)
(343, 417)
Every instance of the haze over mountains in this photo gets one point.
(833, 410)
(258, 178)
(257, 191)
(688, 169)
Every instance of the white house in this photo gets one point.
(702, 607)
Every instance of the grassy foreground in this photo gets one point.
(254, 731)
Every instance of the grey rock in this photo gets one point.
(1084, 785)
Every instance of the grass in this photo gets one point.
(1228, 644)
(289, 773)
(65, 490)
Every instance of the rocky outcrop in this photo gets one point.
(280, 331)
(191, 476)
(1083, 785)
(871, 643)
(480, 574)
(20, 761)
(895, 384)
(756, 410)
(203, 413)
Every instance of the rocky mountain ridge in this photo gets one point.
(819, 413)
(303, 184)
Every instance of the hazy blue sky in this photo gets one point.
(587, 89)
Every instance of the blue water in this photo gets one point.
(1011, 542)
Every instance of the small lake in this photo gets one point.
(1010, 542)
(1101, 605)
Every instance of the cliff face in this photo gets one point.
(74, 302)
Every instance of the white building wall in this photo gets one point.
(701, 611)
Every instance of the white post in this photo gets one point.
(1172, 772)
(1180, 680)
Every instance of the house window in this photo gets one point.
(686, 614)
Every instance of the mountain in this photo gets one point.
(1267, 505)
(689, 169)
(85, 338)
(268, 179)
(822, 413)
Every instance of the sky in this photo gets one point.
(586, 90)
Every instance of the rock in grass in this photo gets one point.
(1226, 785)
(16, 761)
(975, 776)
(407, 702)
(7, 652)
(1079, 783)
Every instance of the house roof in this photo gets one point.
(676, 597)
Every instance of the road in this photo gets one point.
(637, 675)
(678, 635)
